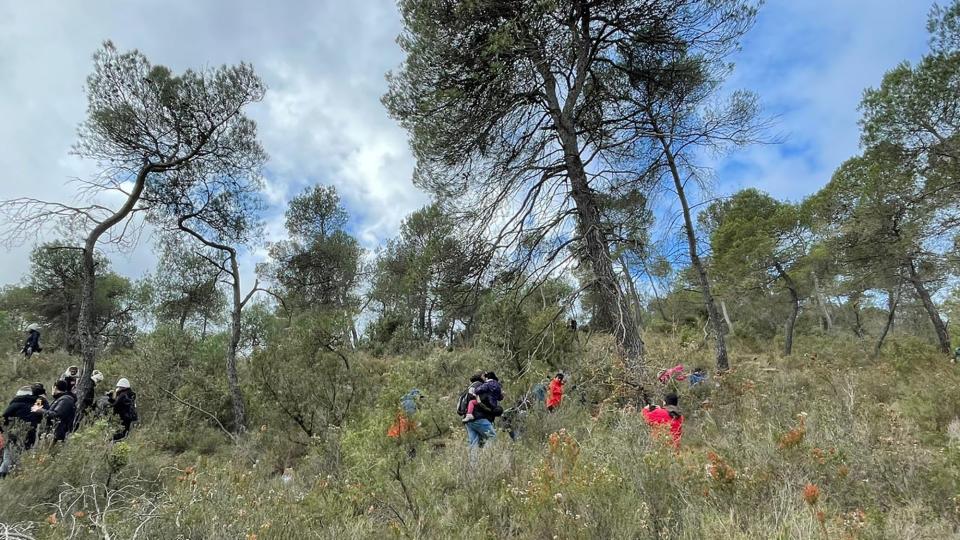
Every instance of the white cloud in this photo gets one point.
(810, 62)
(321, 122)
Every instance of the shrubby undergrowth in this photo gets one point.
(827, 444)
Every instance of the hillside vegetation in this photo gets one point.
(565, 146)
(829, 443)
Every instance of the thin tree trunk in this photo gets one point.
(792, 319)
(656, 294)
(893, 301)
(828, 321)
(890, 296)
(726, 316)
(938, 325)
(88, 341)
(637, 305)
(236, 312)
(720, 345)
(233, 381)
(857, 319)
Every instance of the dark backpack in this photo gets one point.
(134, 417)
(465, 398)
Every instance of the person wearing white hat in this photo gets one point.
(32, 344)
(124, 403)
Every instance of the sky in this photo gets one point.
(322, 122)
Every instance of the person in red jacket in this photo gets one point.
(555, 392)
(666, 417)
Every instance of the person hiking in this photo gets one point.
(555, 392)
(70, 376)
(698, 376)
(488, 395)
(19, 427)
(123, 400)
(408, 407)
(674, 373)
(665, 417)
(32, 345)
(475, 380)
(63, 411)
(480, 429)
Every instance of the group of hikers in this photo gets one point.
(32, 415)
(479, 405)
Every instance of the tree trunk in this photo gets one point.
(938, 325)
(183, 319)
(88, 341)
(893, 300)
(637, 304)
(827, 320)
(890, 296)
(233, 381)
(857, 318)
(720, 345)
(656, 294)
(236, 312)
(726, 316)
(792, 319)
(613, 303)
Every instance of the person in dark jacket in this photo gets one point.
(19, 427)
(32, 345)
(19, 410)
(124, 403)
(63, 411)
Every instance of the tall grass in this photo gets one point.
(828, 443)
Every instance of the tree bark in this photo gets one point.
(613, 305)
(857, 319)
(637, 304)
(890, 297)
(938, 325)
(720, 345)
(893, 301)
(792, 319)
(828, 321)
(88, 341)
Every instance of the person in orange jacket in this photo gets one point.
(666, 417)
(555, 392)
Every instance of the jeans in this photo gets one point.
(11, 454)
(479, 432)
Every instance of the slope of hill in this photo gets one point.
(829, 443)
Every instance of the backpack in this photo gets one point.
(134, 417)
(465, 398)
